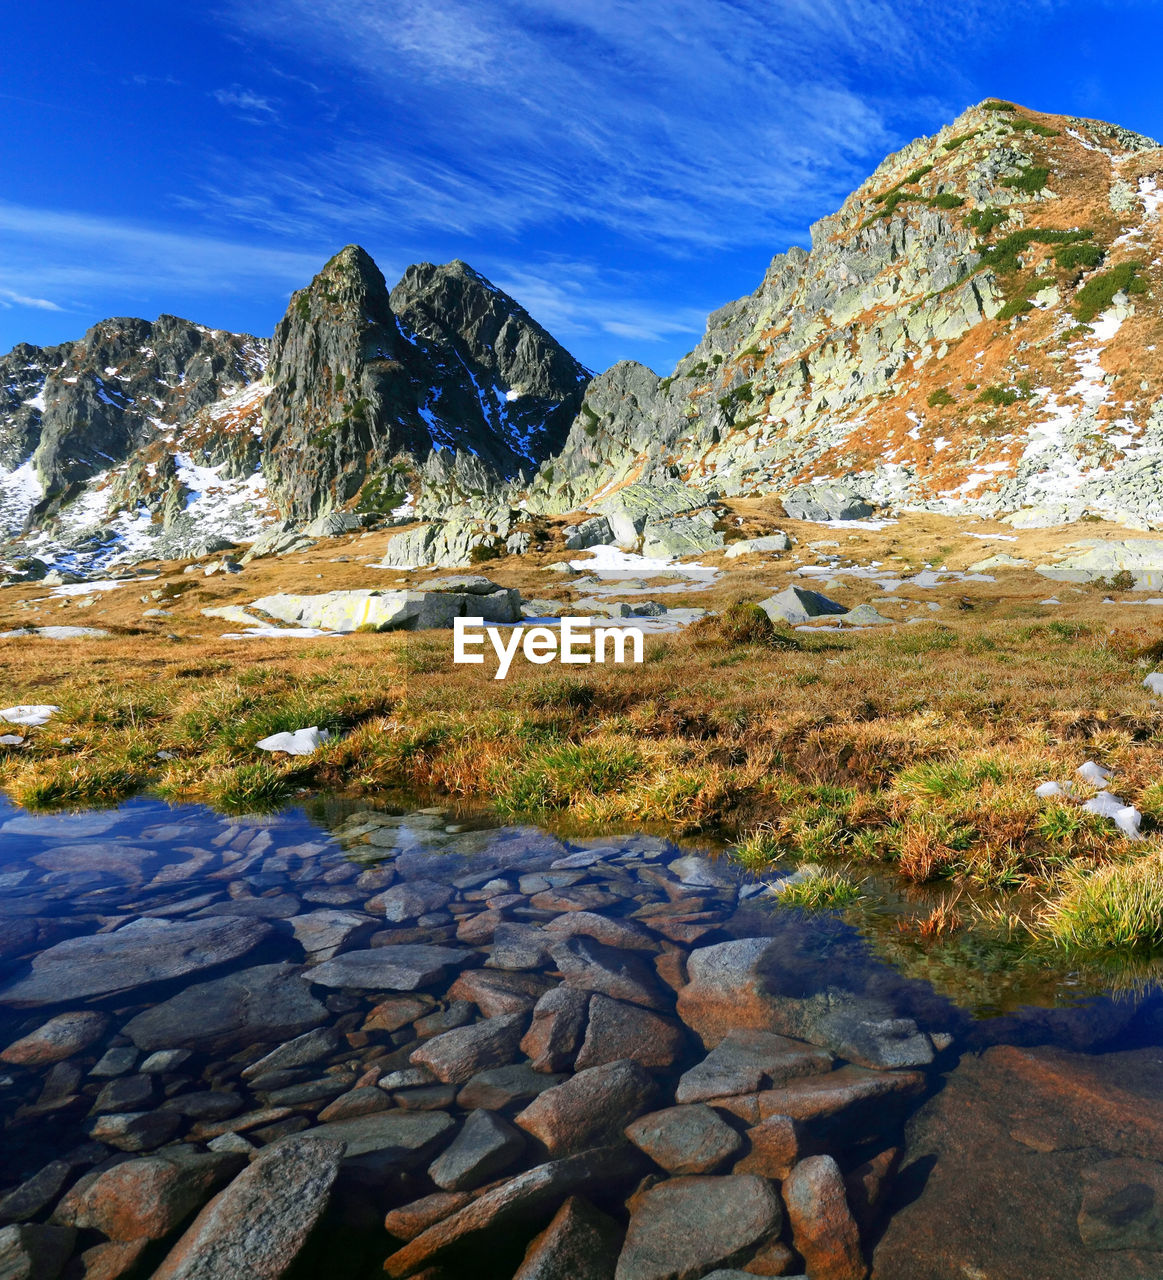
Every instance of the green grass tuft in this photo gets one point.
(252, 788)
(1099, 292)
(1116, 907)
(820, 891)
(1030, 181)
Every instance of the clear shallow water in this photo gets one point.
(294, 890)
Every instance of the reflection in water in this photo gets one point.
(175, 981)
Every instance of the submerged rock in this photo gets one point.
(258, 1225)
(825, 1234)
(589, 1108)
(526, 1198)
(405, 967)
(457, 1055)
(149, 1197)
(486, 1146)
(684, 1227)
(266, 1003)
(34, 1252)
(686, 1140)
(57, 1039)
(581, 1243)
(139, 953)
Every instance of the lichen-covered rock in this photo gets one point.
(258, 1225)
(390, 610)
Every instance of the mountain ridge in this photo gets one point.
(910, 265)
(973, 330)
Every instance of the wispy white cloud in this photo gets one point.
(246, 103)
(10, 298)
(57, 260)
(698, 124)
(573, 300)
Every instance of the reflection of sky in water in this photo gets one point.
(90, 872)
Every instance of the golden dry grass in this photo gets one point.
(919, 746)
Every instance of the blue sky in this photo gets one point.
(620, 166)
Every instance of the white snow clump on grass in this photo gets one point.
(30, 715)
(302, 742)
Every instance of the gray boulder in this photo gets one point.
(594, 532)
(685, 1227)
(258, 1225)
(798, 604)
(1099, 558)
(267, 1003)
(404, 967)
(824, 501)
(333, 525)
(580, 1243)
(486, 1146)
(34, 1252)
(681, 536)
(631, 507)
(346, 611)
(754, 546)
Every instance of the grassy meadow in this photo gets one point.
(915, 747)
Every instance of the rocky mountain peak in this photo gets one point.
(368, 385)
(455, 304)
(975, 328)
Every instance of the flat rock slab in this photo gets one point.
(530, 1196)
(59, 1038)
(63, 826)
(684, 1227)
(996, 1169)
(589, 966)
(1122, 1205)
(311, 1046)
(109, 857)
(149, 1197)
(266, 1003)
(619, 1030)
(406, 967)
(590, 1108)
(141, 953)
(457, 1055)
(323, 934)
(747, 1061)
(854, 1099)
(346, 611)
(486, 1146)
(685, 1140)
(258, 1225)
(627, 935)
(389, 1140)
(502, 1087)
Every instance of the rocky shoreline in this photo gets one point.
(445, 1053)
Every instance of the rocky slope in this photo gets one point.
(112, 437)
(975, 329)
(152, 440)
